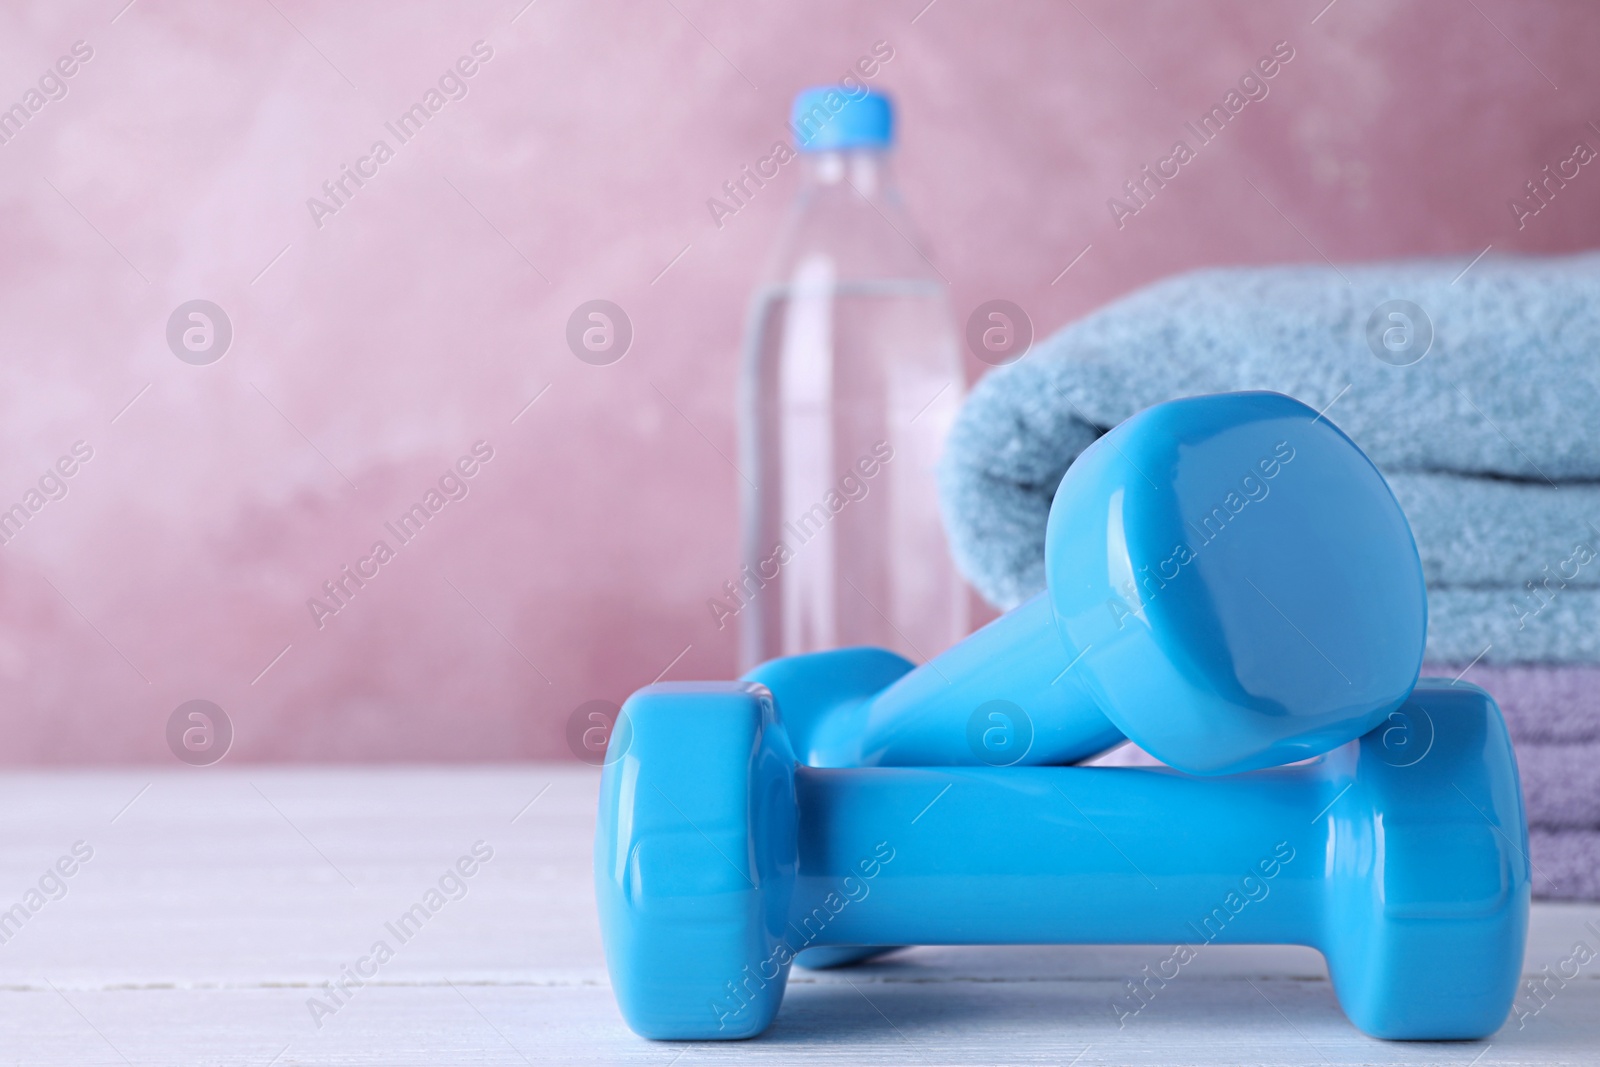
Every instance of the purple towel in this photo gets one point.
(1542, 704)
(1561, 784)
(1566, 863)
(1553, 713)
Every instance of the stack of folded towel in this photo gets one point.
(1554, 717)
(1491, 442)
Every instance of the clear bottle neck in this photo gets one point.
(863, 171)
(848, 214)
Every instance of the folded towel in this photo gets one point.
(1542, 705)
(1482, 532)
(1496, 470)
(1462, 623)
(1566, 863)
(1561, 785)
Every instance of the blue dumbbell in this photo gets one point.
(1231, 584)
(717, 859)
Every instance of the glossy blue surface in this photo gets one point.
(1401, 857)
(829, 119)
(1231, 584)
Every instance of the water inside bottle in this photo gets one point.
(852, 386)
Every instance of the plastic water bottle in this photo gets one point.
(851, 379)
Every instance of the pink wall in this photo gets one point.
(431, 308)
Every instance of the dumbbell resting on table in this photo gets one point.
(1226, 610)
(717, 859)
(1231, 584)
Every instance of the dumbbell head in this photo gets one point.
(1428, 879)
(1237, 581)
(1231, 584)
(695, 857)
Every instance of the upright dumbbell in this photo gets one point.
(717, 859)
(1231, 584)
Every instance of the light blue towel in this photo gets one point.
(1491, 440)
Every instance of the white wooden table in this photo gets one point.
(219, 900)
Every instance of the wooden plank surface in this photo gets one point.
(217, 903)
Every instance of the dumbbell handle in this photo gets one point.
(1064, 855)
(921, 719)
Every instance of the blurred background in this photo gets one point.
(378, 339)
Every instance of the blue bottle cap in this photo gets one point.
(830, 118)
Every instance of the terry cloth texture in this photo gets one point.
(1566, 863)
